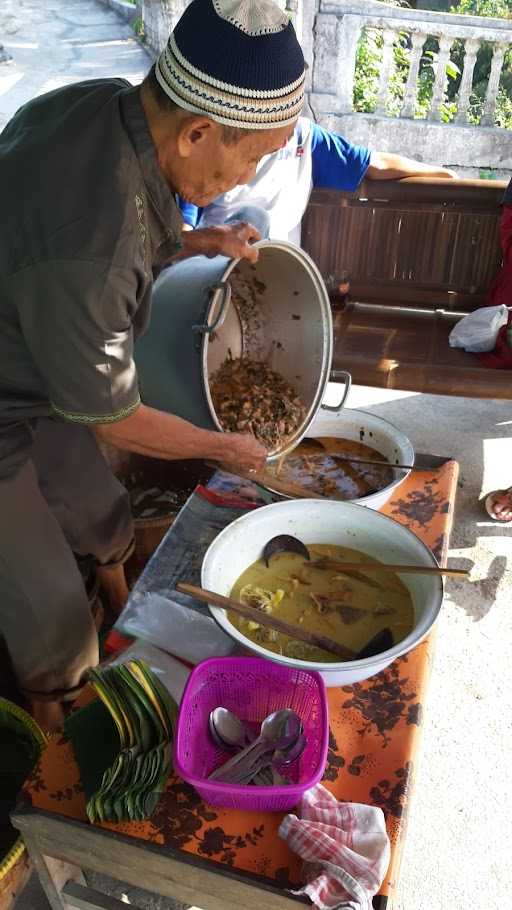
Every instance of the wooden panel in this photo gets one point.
(440, 249)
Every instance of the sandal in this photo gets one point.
(489, 504)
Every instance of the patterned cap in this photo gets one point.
(238, 61)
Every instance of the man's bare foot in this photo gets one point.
(49, 715)
(498, 505)
(113, 583)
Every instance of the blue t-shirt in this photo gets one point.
(189, 211)
(336, 164)
(507, 199)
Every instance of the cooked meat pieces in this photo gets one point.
(249, 397)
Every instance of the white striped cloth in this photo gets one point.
(345, 848)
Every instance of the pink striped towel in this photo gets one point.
(345, 848)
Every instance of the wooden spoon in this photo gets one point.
(267, 480)
(387, 567)
(266, 619)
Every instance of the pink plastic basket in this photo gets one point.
(252, 688)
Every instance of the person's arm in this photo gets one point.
(160, 435)
(231, 240)
(81, 340)
(388, 166)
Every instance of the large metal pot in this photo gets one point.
(205, 310)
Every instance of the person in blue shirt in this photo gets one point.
(313, 157)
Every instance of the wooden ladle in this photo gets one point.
(266, 619)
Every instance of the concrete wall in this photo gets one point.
(468, 150)
(127, 11)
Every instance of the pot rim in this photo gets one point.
(419, 631)
(323, 299)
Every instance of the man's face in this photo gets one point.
(206, 167)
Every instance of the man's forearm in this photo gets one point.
(387, 166)
(160, 435)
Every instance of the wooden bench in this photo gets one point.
(419, 254)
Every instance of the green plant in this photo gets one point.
(501, 9)
(498, 9)
(138, 27)
(366, 81)
(368, 62)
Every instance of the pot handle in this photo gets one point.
(206, 329)
(335, 375)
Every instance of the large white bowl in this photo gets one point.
(373, 431)
(328, 522)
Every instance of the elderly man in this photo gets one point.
(89, 180)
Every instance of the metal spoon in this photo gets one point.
(277, 760)
(279, 730)
(227, 730)
(288, 756)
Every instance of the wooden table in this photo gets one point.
(226, 860)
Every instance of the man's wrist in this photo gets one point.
(215, 444)
(202, 240)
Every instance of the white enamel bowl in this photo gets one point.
(373, 431)
(328, 522)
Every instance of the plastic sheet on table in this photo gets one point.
(155, 611)
(171, 672)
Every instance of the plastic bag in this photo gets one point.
(156, 612)
(170, 671)
(478, 331)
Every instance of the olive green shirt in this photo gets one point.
(87, 222)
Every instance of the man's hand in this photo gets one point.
(243, 454)
(231, 240)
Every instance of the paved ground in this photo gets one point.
(457, 852)
(56, 42)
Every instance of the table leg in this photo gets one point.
(53, 873)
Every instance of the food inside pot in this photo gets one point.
(317, 466)
(249, 397)
(348, 607)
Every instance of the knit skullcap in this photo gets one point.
(237, 61)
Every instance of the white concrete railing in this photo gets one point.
(330, 30)
(339, 25)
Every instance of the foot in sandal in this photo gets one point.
(498, 505)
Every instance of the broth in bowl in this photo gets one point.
(348, 606)
(323, 465)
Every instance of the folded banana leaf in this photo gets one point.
(136, 735)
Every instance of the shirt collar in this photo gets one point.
(161, 196)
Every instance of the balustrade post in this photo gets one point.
(385, 71)
(493, 85)
(348, 33)
(440, 81)
(466, 84)
(411, 89)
